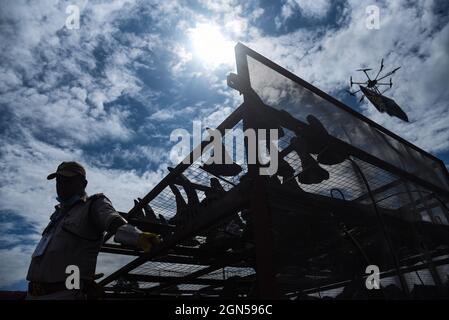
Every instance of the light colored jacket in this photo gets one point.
(75, 235)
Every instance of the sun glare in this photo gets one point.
(210, 45)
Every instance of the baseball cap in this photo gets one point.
(68, 169)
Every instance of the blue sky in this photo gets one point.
(109, 94)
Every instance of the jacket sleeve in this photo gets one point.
(104, 216)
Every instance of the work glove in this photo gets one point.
(146, 241)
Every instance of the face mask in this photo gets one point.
(67, 187)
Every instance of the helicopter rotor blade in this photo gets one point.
(364, 71)
(389, 73)
(381, 68)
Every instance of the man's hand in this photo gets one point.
(146, 241)
(129, 235)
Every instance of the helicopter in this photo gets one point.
(371, 89)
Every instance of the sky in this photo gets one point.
(109, 93)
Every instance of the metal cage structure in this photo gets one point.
(348, 194)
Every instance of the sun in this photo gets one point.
(210, 45)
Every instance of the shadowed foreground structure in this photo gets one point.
(348, 194)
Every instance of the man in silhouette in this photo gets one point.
(74, 236)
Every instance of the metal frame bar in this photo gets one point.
(177, 280)
(382, 275)
(194, 276)
(188, 278)
(228, 123)
(378, 190)
(263, 238)
(231, 203)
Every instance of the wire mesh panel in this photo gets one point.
(229, 272)
(167, 269)
(282, 90)
(341, 216)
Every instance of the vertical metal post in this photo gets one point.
(421, 245)
(260, 213)
(263, 239)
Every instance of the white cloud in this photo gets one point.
(183, 58)
(163, 115)
(314, 8)
(223, 6)
(14, 265)
(173, 112)
(309, 8)
(217, 115)
(64, 85)
(26, 163)
(65, 112)
(327, 58)
(150, 154)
